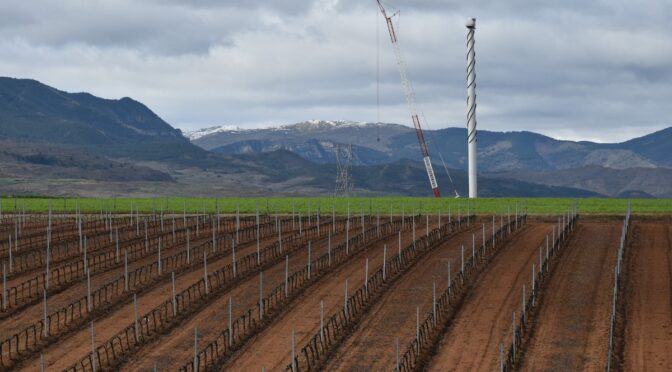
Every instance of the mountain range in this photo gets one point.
(58, 143)
(384, 143)
(639, 166)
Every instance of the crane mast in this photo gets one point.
(410, 100)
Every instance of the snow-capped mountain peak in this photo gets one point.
(196, 134)
(306, 125)
(325, 124)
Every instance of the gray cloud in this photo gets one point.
(577, 69)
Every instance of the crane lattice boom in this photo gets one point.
(410, 100)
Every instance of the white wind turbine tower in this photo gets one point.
(471, 107)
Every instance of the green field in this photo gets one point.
(380, 205)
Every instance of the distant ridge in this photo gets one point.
(498, 151)
(519, 155)
(59, 143)
(32, 112)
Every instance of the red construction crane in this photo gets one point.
(410, 100)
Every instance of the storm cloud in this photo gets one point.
(599, 70)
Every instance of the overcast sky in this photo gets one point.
(577, 69)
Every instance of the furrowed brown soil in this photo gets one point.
(571, 330)
(372, 346)
(127, 235)
(648, 307)
(472, 341)
(175, 349)
(77, 290)
(75, 346)
(114, 321)
(66, 293)
(272, 347)
(568, 331)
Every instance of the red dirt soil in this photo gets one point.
(77, 345)
(127, 236)
(176, 348)
(272, 347)
(571, 330)
(29, 315)
(372, 345)
(484, 320)
(648, 318)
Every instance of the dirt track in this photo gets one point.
(648, 318)
(484, 320)
(572, 327)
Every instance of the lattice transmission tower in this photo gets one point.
(344, 158)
